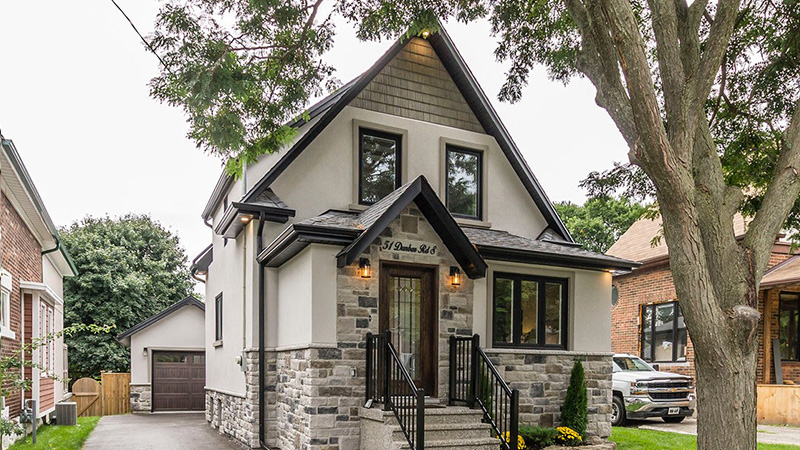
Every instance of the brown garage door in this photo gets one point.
(179, 379)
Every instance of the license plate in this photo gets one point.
(674, 411)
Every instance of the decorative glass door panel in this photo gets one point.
(405, 315)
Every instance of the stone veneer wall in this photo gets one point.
(141, 397)
(542, 378)
(235, 415)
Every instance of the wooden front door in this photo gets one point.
(179, 380)
(408, 304)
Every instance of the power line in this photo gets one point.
(141, 37)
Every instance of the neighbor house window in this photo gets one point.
(5, 301)
(464, 191)
(529, 311)
(46, 332)
(663, 333)
(218, 317)
(789, 325)
(378, 164)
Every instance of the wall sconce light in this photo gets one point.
(144, 351)
(363, 268)
(455, 276)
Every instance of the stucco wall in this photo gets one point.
(181, 330)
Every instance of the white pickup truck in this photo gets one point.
(640, 392)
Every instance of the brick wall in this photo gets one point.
(654, 285)
(416, 85)
(21, 256)
(790, 369)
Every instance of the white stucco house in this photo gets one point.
(168, 359)
(397, 275)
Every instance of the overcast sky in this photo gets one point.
(74, 99)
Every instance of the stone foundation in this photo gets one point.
(542, 378)
(236, 415)
(141, 398)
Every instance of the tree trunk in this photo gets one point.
(726, 390)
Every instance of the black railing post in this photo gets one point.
(451, 394)
(420, 419)
(368, 394)
(386, 369)
(473, 370)
(514, 431)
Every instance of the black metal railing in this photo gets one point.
(475, 380)
(389, 382)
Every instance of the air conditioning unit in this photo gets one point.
(67, 413)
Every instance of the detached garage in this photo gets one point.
(168, 368)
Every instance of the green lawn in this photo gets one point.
(636, 439)
(54, 437)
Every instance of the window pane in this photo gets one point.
(664, 317)
(552, 318)
(788, 324)
(647, 336)
(530, 316)
(463, 172)
(503, 310)
(378, 167)
(681, 337)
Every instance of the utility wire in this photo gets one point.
(141, 37)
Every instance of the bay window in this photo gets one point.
(529, 311)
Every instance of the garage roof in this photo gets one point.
(124, 338)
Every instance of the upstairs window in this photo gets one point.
(218, 318)
(464, 190)
(378, 165)
(789, 325)
(663, 334)
(529, 311)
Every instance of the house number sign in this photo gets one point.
(399, 245)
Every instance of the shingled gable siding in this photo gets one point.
(416, 85)
(21, 256)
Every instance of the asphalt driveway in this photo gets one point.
(179, 431)
(766, 434)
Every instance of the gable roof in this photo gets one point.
(636, 243)
(188, 301)
(356, 231)
(445, 49)
(21, 184)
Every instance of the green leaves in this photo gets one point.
(129, 269)
(599, 222)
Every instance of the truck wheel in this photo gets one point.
(673, 419)
(617, 411)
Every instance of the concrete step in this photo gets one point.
(447, 431)
(453, 414)
(455, 444)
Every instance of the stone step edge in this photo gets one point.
(448, 426)
(457, 443)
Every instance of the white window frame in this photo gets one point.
(47, 314)
(5, 304)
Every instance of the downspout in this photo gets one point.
(244, 271)
(262, 407)
(54, 249)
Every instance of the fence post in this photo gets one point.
(473, 370)
(514, 431)
(453, 369)
(386, 369)
(420, 419)
(368, 393)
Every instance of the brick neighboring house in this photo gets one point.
(32, 267)
(646, 321)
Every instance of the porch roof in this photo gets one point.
(787, 272)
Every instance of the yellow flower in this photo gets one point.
(507, 438)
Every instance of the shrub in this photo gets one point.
(574, 413)
(568, 437)
(520, 440)
(537, 438)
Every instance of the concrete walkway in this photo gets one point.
(766, 434)
(179, 431)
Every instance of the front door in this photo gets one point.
(408, 310)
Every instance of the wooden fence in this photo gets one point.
(778, 404)
(110, 396)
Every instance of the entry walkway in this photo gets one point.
(766, 434)
(178, 431)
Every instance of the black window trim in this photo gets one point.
(651, 358)
(448, 147)
(398, 161)
(218, 309)
(516, 327)
(797, 301)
